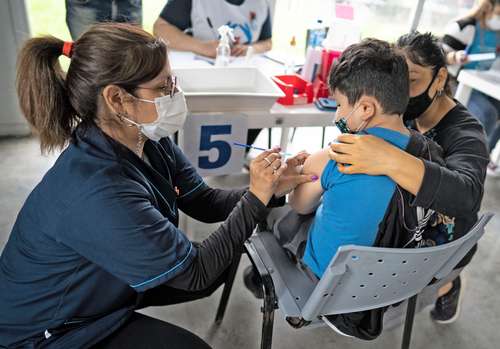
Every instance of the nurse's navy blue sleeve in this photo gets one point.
(178, 13)
(186, 178)
(195, 196)
(114, 225)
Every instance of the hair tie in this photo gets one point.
(67, 49)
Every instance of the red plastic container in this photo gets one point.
(321, 82)
(321, 89)
(327, 59)
(296, 89)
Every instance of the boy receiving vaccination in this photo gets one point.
(371, 86)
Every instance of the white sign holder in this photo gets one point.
(207, 141)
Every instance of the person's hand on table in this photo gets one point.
(265, 172)
(239, 50)
(292, 176)
(365, 154)
(208, 48)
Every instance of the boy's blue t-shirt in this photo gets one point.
(351, 209)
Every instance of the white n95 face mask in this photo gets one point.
(172, 112)
(494, 23)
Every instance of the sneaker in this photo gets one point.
(493, 170)
(252, 282)
(447, 307)
(328, 319)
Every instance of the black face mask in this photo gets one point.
(419, 104)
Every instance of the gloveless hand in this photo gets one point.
(292, 176)
(362, 154)
(265, 172)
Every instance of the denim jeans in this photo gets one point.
(487, 111)
(80, 14)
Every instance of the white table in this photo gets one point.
(487, 82)
(281, 116)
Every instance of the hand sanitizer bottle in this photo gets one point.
(224, 48)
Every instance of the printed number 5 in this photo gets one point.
(206, 143)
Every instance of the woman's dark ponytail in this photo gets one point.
(55, 102)
(42, 92)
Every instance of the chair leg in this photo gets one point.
(323, 137)
(267, 329)
(269, 137)
(228, 285)
(410, 316)
(268, 313)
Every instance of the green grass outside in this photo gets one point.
(49, 16)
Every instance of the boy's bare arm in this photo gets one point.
(305, 198)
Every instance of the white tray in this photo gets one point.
(221, 89)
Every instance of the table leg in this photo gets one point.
(285, 132)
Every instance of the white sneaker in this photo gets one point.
(333, 327)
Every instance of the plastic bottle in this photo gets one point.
(290, 61)
(224, 48)
(316, 34)
(249, 55)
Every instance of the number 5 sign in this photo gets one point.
(207, 141)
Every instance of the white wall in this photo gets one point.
(14, 29)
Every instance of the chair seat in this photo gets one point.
(292, 286)
(358, 278)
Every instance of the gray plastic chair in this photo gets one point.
(358, 278)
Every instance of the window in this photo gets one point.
(383, 19)
(438, 13)
(49, 16)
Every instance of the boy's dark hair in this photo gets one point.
(372, 68)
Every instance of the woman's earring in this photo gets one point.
(140, 143)
(440, 93)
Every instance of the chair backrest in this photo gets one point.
(362, 278)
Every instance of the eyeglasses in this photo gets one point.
(168, 89)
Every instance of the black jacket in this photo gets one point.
(453, 185)
(400, 213)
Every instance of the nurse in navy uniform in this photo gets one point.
(97, 238)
